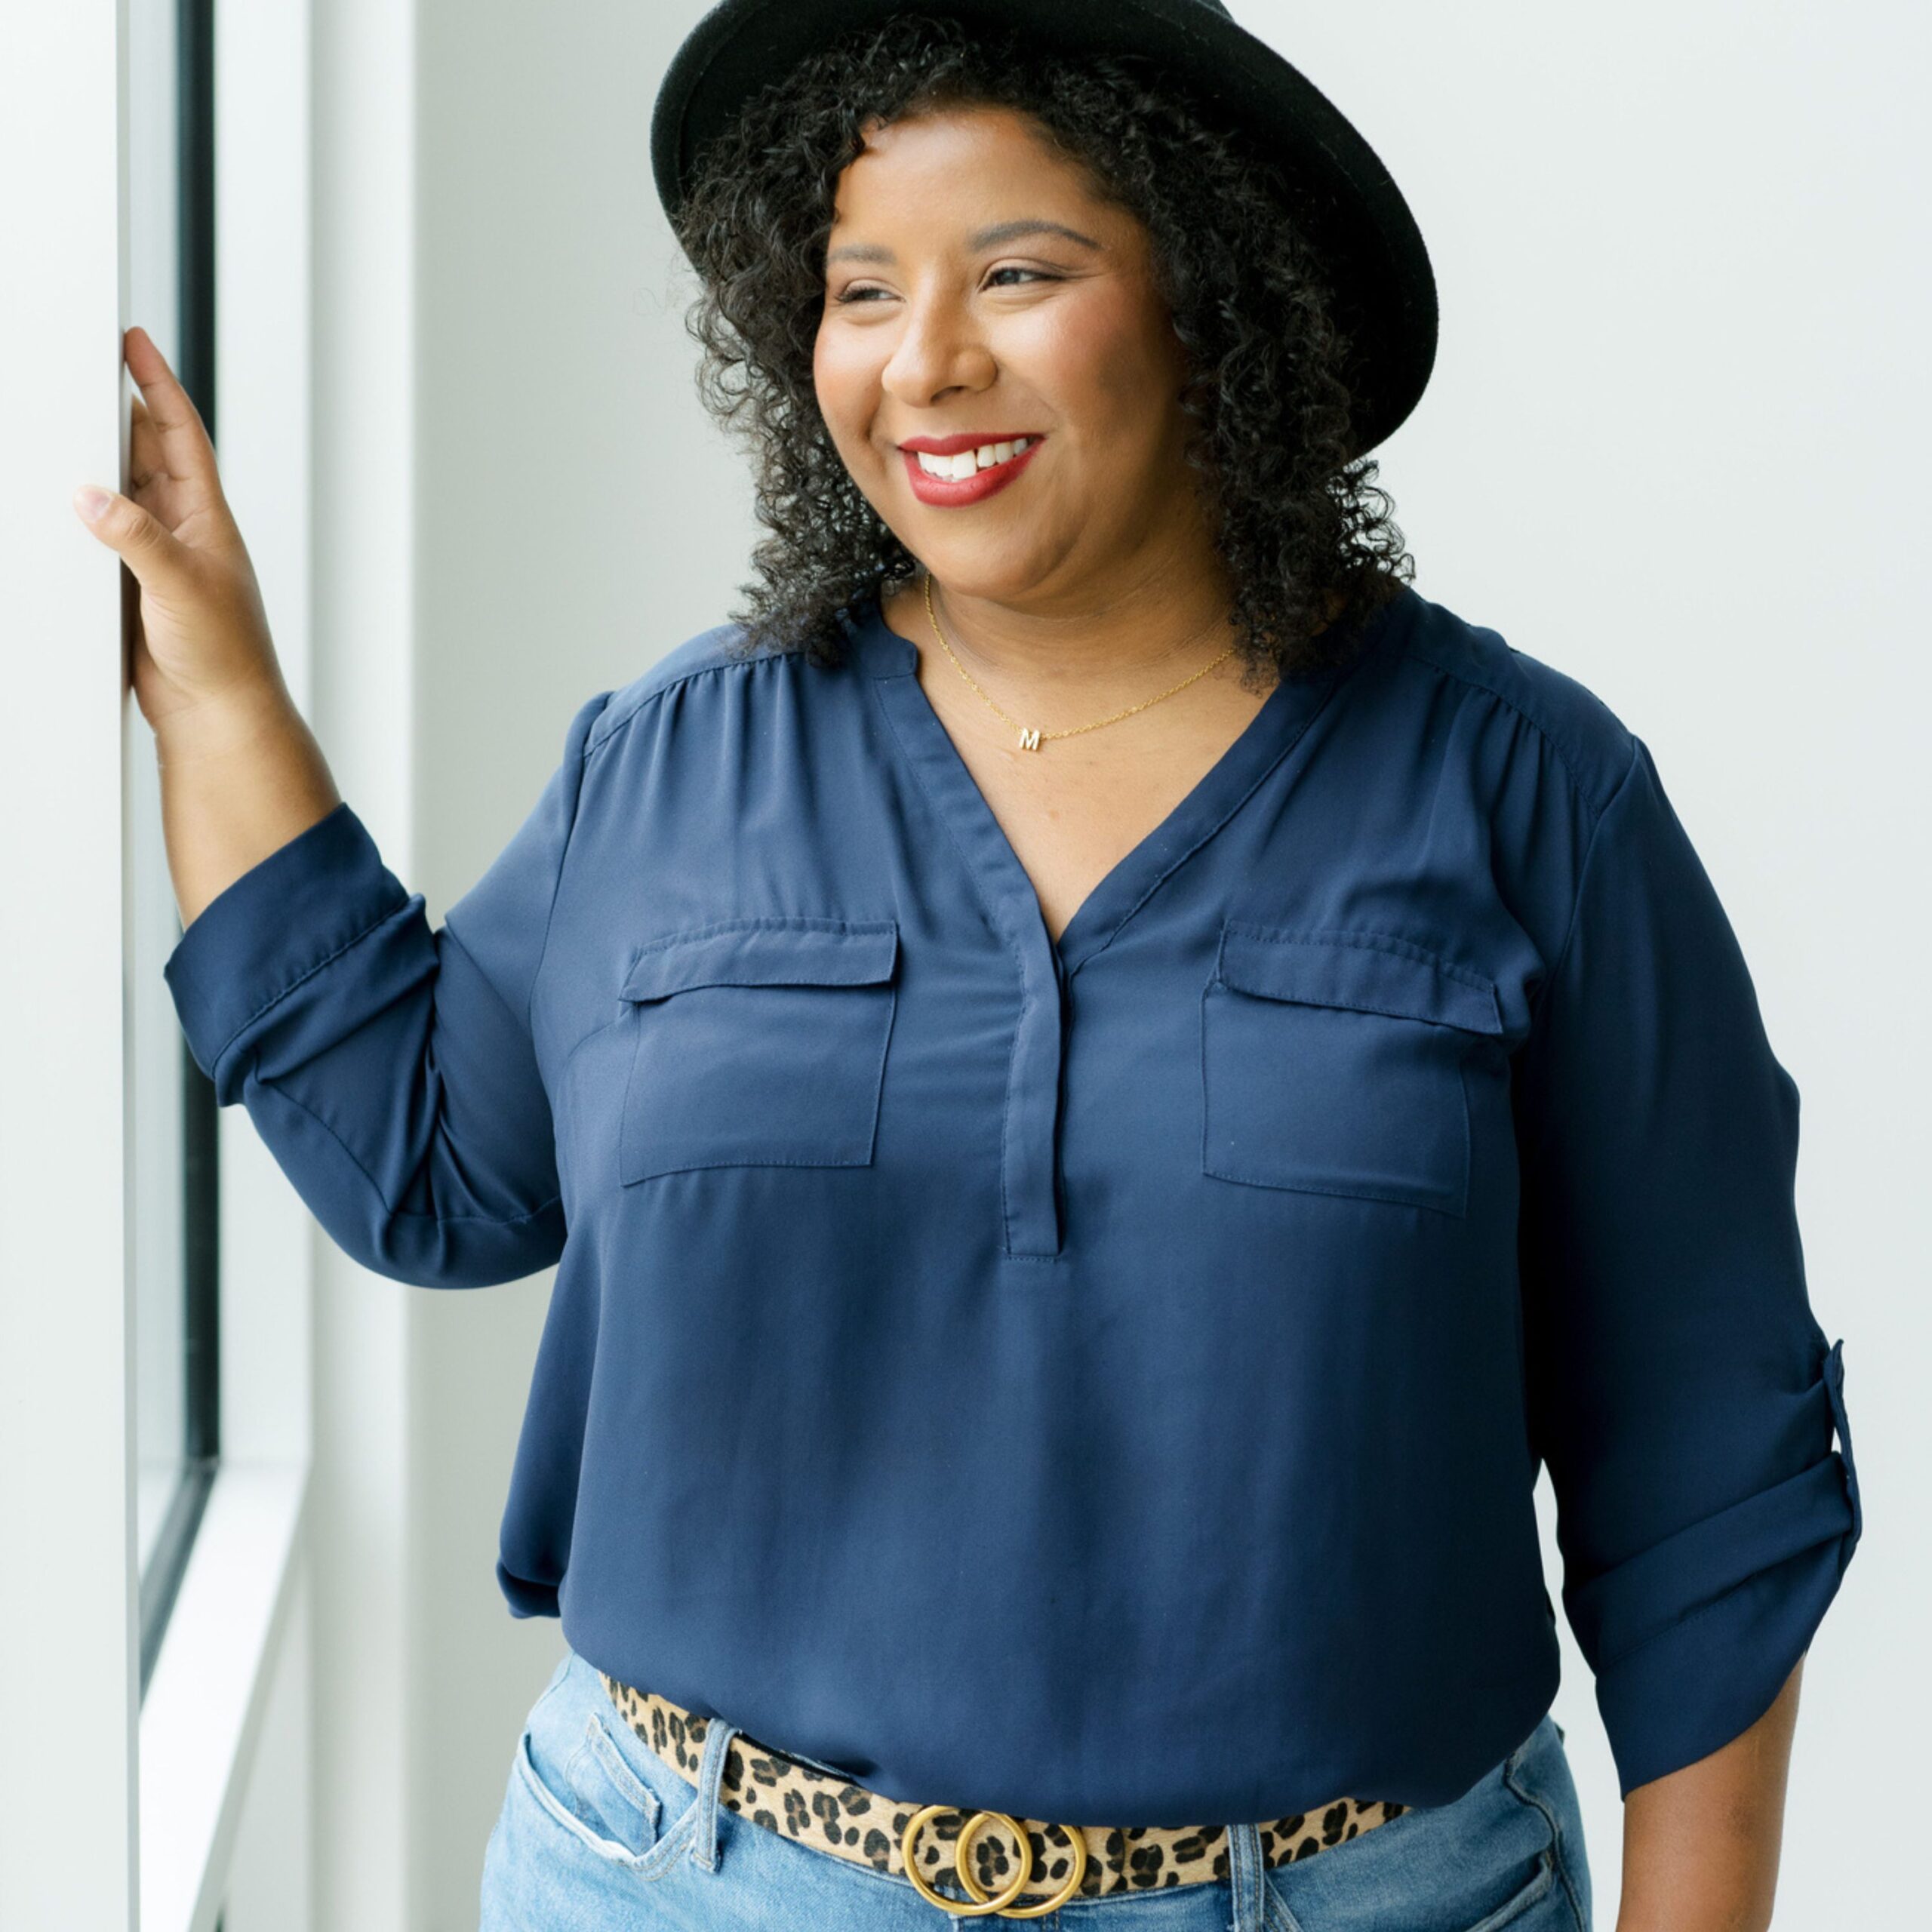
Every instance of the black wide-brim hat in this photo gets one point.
(1344, 200)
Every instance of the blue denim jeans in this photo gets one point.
(598, 1834)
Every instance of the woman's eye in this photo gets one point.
(866, 292)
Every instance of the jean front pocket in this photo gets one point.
(1483, 1863)
(759, 1042)
(591, 1792)
(1333, 1062)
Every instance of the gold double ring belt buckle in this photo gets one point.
(988, 1902)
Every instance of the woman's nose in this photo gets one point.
(938, 350)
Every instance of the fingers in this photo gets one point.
(148, 550)
(145, 459)
(184, 449)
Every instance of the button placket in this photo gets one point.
(1029, 1126)
(1030, 1140)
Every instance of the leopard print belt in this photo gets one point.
(827, 1813)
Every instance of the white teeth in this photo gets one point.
(967, 463)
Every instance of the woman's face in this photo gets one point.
(978, 288)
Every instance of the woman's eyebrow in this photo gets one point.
(1011, 231)
(987, 237)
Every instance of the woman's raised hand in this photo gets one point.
(203, 659)
(241, 772)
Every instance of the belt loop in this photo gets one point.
(1244, 1876)
(718, 1736)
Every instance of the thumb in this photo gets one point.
(125, 528)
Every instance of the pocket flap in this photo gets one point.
(1368, 971)
(766, 953)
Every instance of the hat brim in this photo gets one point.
(1344, 199)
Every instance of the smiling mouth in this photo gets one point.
(967, 463)
(962, 471)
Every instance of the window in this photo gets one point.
(154, 1267)
(172, 1141)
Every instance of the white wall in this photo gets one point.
(1673, 447)
(362, 432)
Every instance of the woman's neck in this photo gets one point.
(1161, 623)
(1120, 642)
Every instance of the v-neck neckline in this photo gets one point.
(892, 662)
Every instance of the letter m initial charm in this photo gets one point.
(1029, 739)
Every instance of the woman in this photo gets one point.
(1106, 1081)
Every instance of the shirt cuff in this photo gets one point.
(1695, 1637)
(284, 919)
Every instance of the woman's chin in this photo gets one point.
(989, 571)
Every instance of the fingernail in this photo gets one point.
(92, 503)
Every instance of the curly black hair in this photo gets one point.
(1302, 529)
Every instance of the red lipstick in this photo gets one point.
(943, 493)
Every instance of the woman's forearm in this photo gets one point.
(237, 783)
(1700, 1846)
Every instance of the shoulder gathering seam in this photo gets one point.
(1543, 730)
(590, 751)
(683, 678)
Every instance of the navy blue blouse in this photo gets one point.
(1101, 1381)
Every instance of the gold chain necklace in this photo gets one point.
(1030, 737)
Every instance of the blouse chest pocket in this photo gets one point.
(1333, 1063)
(760, 1042)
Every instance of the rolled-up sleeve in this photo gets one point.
(390, 1070)
(1680, 1393)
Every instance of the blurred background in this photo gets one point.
(408, 260)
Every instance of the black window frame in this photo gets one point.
(201, 1177)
